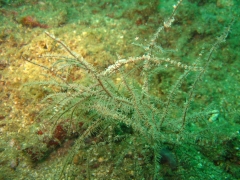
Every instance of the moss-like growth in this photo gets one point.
(151, 111)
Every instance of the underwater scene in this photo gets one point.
(119, 90)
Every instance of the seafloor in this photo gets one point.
(102, 31)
